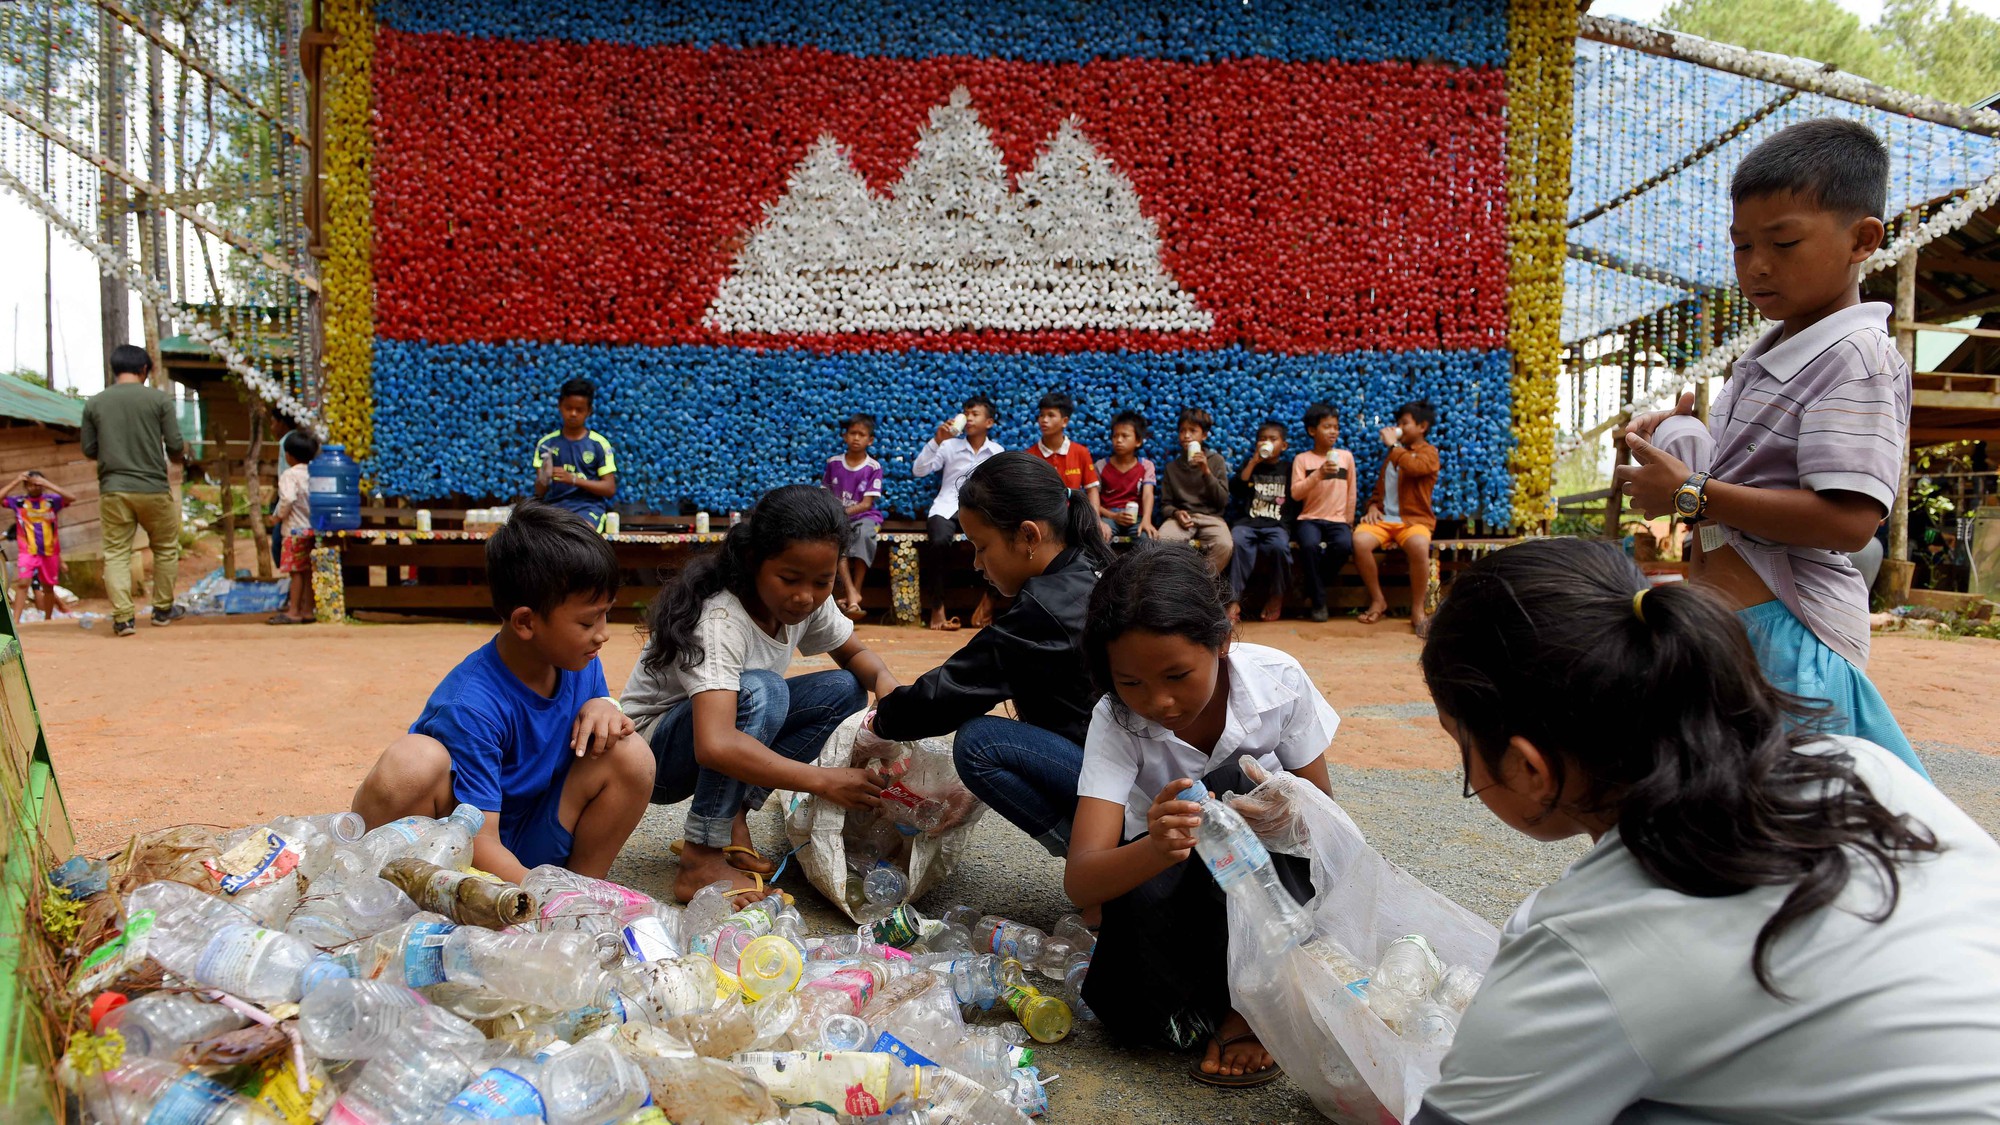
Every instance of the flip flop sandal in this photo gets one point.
(1233, 1081)
(855, 613)
(760, 889)
(950, 625)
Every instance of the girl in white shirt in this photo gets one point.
(710, 695)
(1181, 701)
(1771, 926)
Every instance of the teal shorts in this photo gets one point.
(1796, 661)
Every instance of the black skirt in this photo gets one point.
(1160, 974)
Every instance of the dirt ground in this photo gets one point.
(228, 721)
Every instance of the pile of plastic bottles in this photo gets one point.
(326, 975)
(1411, 990)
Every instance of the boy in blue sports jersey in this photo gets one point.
(523, 729)
(574, 468)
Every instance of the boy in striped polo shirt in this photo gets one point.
(1804, 448)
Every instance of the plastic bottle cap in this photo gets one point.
(105, 1004)
(1194, 792)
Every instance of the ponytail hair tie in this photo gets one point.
(1639, 604)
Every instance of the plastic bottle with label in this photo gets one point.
(161, 1023)
(353, 1019)
(974, 977)
(1242, 868)
(588, 1084)
(1047, 1018)
(259, 965)
(557, 971)
(415, 1074)
(411, 836)
(150, 1091)
(411, 954)
(994, 934)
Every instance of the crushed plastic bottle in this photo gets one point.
(159, 1024)
(353, 1019)
(150, 1091)
(1404, 979)
(416, 1072)
(349, 910)
(558, 971)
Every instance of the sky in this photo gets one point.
(79, 357)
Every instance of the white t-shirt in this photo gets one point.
(732, 644)
(1615, 999)
(1275, 715)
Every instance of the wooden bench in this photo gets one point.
(398, 569)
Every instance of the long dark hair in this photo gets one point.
(1016, 488)
(796, 513)
(1710, 793)
(1164, 588)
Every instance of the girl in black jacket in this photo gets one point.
(1037, 542)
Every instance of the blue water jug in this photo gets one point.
(334, 486)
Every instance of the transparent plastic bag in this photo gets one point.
(924, 770)
(1323, 1033)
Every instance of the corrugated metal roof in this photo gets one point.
(25, 401)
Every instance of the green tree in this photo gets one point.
(30, 375)
(1945, 50)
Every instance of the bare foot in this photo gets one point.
(702, 865)
(983, 616)
(1374, 612)
(943, 624)
(1420, 623)
(1235, 612)
(1274, 609)
(1093, 917)
(1245, 1057)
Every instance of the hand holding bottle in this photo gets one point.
(1171, 822)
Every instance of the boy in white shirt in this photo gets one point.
(954, 456)
(292, 519)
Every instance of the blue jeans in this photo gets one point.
(1256, 549)
(1324, 548)
(1022, 772)
(793, 717)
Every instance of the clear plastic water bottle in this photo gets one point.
(159, 1024)
(449, 845)
(1460, 984)
(261, 966)
(1403, 981)
(415, 1074)
(974, 978)
(149, 1091)
(1073, 978)
(588, 1084)
(885, 885)
(1432, 1025)
(557, 971)
(845, 1033)
(350, 911)
(1054, 961)
(994, 934)
(411, 954)
(413, 837)
(1070, 928)
(353, 1019)
(1242, 868)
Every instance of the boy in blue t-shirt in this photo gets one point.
(523, 728)
(574, 468)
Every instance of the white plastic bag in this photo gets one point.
(817, 826)
(1350, 1064)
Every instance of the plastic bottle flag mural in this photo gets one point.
(744, 221)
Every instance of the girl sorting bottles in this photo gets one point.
(1036, 541)
(1181, 701)
(710, 694)
(1771, 924)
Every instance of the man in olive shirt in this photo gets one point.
(129, 429)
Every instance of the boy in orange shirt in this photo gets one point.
(1399, 511)
(1069, 458)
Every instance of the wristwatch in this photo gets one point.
(1691, 498)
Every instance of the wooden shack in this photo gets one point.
(41, 429)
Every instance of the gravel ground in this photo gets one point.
(1417, 818)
